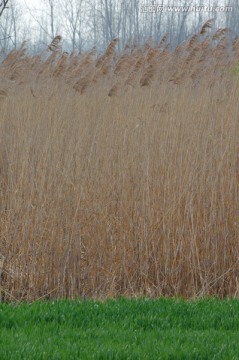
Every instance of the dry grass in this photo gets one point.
(120, 173)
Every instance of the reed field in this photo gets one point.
(119, 172)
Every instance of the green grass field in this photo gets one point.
(120, 329)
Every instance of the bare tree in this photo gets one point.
(51, 4)
(6, 25)
(3, 6)
(72, 15)
(16, 13)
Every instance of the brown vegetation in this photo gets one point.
(119, 174)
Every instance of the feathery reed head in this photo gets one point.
(55, 44)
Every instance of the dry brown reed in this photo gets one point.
(135, 193)
(55, 44)
(206, 26)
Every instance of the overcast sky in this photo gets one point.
(32, 3)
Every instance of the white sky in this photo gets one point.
(32, 3)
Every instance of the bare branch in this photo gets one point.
(6, 38)
(3, 6)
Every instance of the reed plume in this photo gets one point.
(206, 26)
(55, 45)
